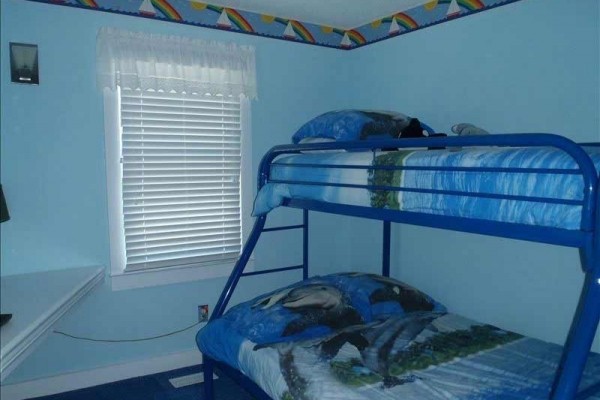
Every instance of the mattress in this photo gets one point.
(300, 176)
(382, 339)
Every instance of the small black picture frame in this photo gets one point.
(24, 63)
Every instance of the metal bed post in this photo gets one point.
(305, 244)
(387, 233)
(585, 322)
(207, 371)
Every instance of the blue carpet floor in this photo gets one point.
(155, 387)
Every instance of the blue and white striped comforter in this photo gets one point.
(566, 186)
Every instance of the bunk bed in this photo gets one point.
(534, 187)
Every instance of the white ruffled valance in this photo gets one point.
(136, 60)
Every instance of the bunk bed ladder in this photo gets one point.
(238, 272)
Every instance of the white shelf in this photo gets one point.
(37, 301)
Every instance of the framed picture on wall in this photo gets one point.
(24, 63)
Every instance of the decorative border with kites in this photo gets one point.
(194, 12)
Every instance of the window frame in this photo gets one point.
(122, 279)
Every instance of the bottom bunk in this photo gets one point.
(362, 336)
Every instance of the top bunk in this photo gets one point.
(536, 187)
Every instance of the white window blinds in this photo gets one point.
(181, 156)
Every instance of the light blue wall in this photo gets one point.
(526, 67)
(53, 173)
(532, 66)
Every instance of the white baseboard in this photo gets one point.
(99, 376)
(187, 380)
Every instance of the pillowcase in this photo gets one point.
(349, 125)
(323, 304)
(303, 310)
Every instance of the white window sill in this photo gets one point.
(166, 276)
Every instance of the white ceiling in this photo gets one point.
(344, 14)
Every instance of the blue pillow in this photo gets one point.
(349, 125)
(303, 310)
(322, 304)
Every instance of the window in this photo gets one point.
(177, 156)
(181, 158)
(179, 179)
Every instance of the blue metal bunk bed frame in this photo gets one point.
(586, 239)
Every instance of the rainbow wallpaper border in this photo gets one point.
(193, 12)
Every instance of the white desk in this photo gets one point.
(37, 300)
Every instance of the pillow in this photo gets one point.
(348, 125)
(323, 304)
(301, 311)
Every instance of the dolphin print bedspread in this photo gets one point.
(516, 184)
(360, 336)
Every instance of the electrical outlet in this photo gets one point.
(203, 313)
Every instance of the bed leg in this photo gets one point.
(208, 369)
(385, 257)
(305, 244)
(581, 335)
